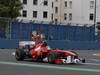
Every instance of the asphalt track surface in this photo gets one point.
(9, 66)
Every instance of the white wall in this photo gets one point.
(98, 10)
(40, 8)
(80, 11)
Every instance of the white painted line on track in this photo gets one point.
(13, 53)
(95, 64)
(96, 54)
(49, 66)
(94, 59)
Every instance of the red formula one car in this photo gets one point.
(43, 53)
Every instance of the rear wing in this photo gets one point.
(24, 43)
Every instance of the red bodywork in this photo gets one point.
(38, 51)
(41, 50)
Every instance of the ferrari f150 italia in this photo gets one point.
(43, 53)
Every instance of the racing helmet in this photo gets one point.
(34, 33)
(45, 43)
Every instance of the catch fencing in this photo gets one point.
(57, 36)
(22, 31)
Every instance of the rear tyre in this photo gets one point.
(51, 57)
(20, 54)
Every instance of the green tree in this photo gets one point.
(10, 8)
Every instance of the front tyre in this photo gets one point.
(83, 60)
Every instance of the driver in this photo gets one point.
(37, 37)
